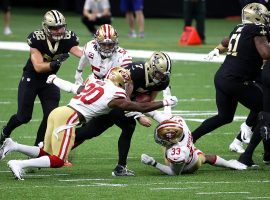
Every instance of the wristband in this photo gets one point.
(155, 164)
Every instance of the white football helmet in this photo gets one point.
(255, 13)
(107, 40)
(159, 67)
(54, 25)
(119, 76)
(168, 132)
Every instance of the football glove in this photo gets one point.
(55, 64)
(170, 101)
(211, 54)
(51, 78)
(145, 159)
(134, 114)
(78, 77)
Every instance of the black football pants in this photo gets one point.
(100, 124)
(230, 91)
(29, 88)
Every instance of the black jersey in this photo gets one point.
(243, 60)
(139, 76)
(49, 50)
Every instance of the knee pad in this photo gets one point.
(56, 162)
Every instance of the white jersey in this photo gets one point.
(94, 98)
(184, 150)
(99, 66)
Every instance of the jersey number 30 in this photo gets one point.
(90, 94)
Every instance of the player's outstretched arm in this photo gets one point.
(63, 85)
(142, 107)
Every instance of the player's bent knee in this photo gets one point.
(56, 162)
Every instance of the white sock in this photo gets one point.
(221, 162)
(41, 162)
(31, 151)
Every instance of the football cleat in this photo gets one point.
(245, 132)
(15, 168)
(235, 164)
(246, 160)
(145, 159)
(7, 148)
(7, 31)
(237, 146)
(122, 171)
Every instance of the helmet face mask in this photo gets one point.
(168, 132)
(159, 67)
(107, 40)
(119, 76)
(255, 13)
(54, 25)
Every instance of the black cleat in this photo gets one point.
(266, 158)
(122, 171)
(246, 160)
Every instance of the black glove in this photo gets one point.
(55, 64)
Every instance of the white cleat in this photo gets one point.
(7, 147)
(235, 164)
(15, 168)
(145, 159)
(237, 146)
(246, 133)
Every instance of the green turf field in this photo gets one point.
(90, 177)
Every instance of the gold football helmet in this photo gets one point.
(255, 13)
(54, 25)
(159, 67)
(107, 40)
(168, 132)
(119, 76)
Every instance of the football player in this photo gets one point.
(102, 53)
(234, 81)
(49, 47)
(95, 98)
(181, 154)
(148, 78)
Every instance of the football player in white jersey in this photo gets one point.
(180, 152)
(95, 98)
(102, 54)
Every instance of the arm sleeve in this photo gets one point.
(83, 61)
(66, 85)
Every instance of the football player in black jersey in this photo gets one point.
(149, 78)
(49, 47)
(247, 47)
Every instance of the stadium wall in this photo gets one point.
(152, 8)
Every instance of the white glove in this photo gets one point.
(134, 114)
(51, 78)
(145, 159)
(211, 54)
(170, 101)
(78, 78)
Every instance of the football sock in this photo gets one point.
(41, 162)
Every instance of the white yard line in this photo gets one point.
(22, 46)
